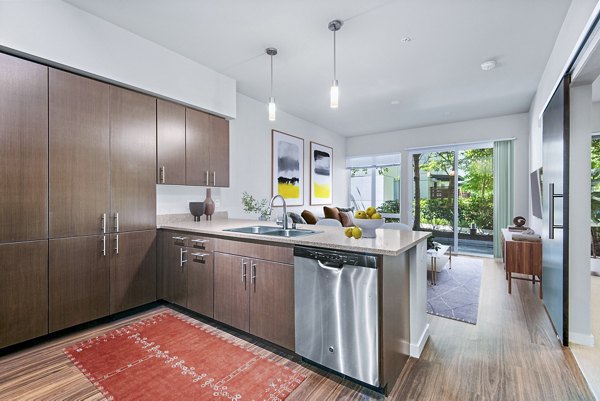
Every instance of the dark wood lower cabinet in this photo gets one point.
(23, 291)
(173, 272)
(200, 282)
(256, 296)
(132, 270)
(231, 290)
(272, 302)
(78, 280)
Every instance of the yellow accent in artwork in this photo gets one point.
(322, 190)
(288, 191)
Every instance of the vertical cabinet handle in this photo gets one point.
(207, 183)
(103, 223)
(243, 270)
(104, 245)
(551, 225)
(117, 222)
(161, 174)
(116, 244)
(214, 178)
(253, 272)
(181, 260)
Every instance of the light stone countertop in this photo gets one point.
(387, 242)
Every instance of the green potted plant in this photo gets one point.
(253, 205)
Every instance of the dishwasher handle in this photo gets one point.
(331, 265)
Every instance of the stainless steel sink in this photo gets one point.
(273, 231)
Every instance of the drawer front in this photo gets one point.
(256, 250)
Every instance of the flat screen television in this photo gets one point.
(536, 192)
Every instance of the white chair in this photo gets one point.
(396, 226)
(329, 222)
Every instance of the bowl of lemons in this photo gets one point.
(368, 221)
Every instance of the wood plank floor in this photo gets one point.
(511, 354)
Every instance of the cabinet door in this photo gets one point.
(23, 150)
(132, 160)
(272, 302)
(197, 148)
(170, 151)
(173, 269)
(79, 280)
(231, 292)
(23, 291)
(132, 270)
(200, 282)
(219, 152)
(79, 154)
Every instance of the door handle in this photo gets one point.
(117, 244)
(253, 272)
(243, 270)
(104, 245)
(161, 174)
(207, 183)
(551, 225)
(117, 222)
(181, 253)
(103, 219)
(214, 178)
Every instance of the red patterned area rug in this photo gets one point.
(166, 357)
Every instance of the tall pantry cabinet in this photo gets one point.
(23, 200)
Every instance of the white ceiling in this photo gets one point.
(436, 77)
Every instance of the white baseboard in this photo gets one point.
(416, 349)
(581, 339)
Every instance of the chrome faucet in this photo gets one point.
(285, 220)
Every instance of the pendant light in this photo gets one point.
(271, 51)
(334, 93)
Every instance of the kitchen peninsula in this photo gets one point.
(253, 282)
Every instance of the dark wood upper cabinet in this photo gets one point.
(23, 150)
(79, 280)
(219, 151)
(23, 291)
(132, 161)
(79, 154)
(132, 270)
(197, 148)
(207, 149)
(232, 277)
(272, 294)
(170, 143)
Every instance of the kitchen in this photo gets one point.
(108, 137)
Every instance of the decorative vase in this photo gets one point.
(197, 210)
(209, 205)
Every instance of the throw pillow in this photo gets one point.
(309, 217)
(296, 218)
(346, 218)
(331, 213)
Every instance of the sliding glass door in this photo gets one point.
(453, 197)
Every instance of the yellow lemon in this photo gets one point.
(376, 216)
(356, 232)
(361, 214)
(348, 232)
(371, 211)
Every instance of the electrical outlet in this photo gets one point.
(217, 203)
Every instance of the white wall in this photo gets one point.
(60, 33)
(571, 36)
(250, 162)
(489, 129)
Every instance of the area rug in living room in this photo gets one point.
(456, 295)
(166, 357)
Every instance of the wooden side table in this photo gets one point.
(523, 257)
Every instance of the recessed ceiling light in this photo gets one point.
(406, 39)
(488, 65)
(394, 102)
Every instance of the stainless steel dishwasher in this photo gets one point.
(336, 311)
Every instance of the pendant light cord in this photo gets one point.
(334, 58)
(271, 76)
